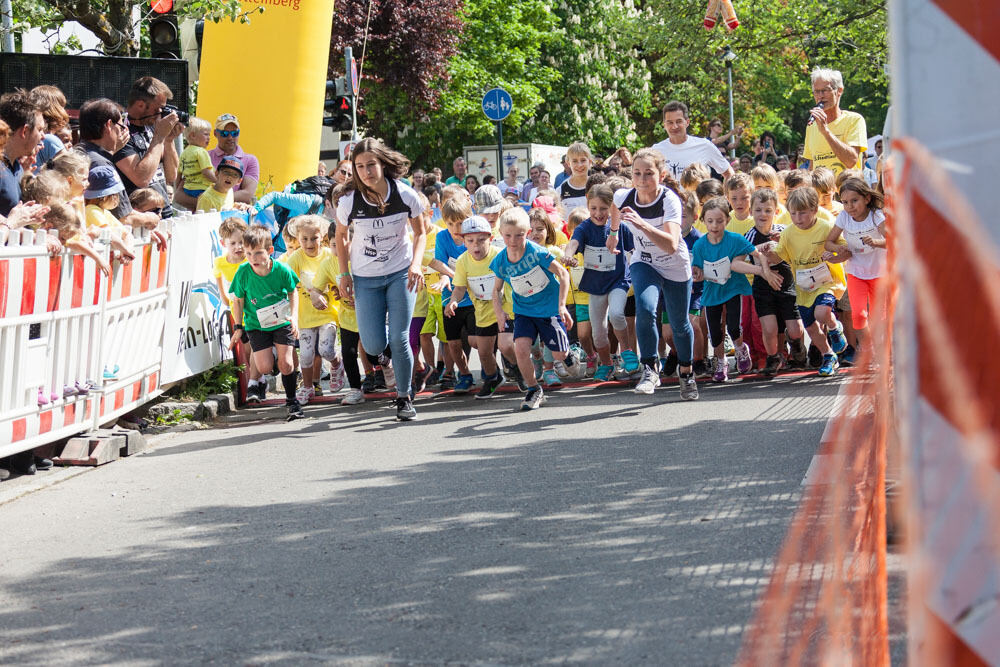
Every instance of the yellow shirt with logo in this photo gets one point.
(223, 268)
(468, 267)
(803, 249)
(307, 268)
(850, 129)
(325, 280)
(430, 276)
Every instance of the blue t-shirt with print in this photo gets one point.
(704, 251)
(530, 274)
(447, 251)
(595, 281)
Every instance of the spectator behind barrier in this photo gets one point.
(26, 130)
(51, 102)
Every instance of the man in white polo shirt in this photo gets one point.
(680, 149)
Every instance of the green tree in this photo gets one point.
(777, 45)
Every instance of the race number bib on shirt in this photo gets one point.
(275, 315)
(530, 283)
(718, 272)
(306, 280)
(814, 278)
(598, 259)
(451, 262)
(481, 287)
(576, 275)
(854, 239)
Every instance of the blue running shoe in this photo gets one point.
(829, 366)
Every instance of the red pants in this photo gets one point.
(863, 295)
(752, 333)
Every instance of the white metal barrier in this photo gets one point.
(63, 323)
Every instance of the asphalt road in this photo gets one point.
(605, 528)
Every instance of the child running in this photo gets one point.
(720, 260)
(540, 286)
(266, 305)
(818, 281)
(605, 278)
(573, 191)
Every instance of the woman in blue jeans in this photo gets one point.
(385, 273)
(660, 265)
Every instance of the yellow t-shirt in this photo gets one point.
(102, 219)
(430, 275)
(784, 218)
(849, 128)
(325, 279)
(738, 226)
(213, 199)
(306, 268)
(802, 249)
(192, 161)
(561, 239)
(225, 269)
(477, 278)
(579, 297)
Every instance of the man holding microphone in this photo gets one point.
(834, 138)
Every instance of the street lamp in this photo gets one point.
(728, 57)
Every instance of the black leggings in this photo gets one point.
(349, 352)
(713, 314)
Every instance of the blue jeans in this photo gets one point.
(375, 297)
(648, 285)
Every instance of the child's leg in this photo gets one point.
(713, 317)
(698, 334)
(505, 341)
(307, 354)
(769, 330)
(522, 350)
(598, 315)
(263, 360)
(583, 332)
(458, 355)
(416, 325)
(366, 363)
(487, 358)
(350, 342)
(618, 309)
(326, 343)
(734, 318)
(286, 366)
(427, 348)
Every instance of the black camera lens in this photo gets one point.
(168, 109)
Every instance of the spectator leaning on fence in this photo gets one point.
(103, 131)
(148, 159)
(26, 130)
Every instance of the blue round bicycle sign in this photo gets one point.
(497, 104)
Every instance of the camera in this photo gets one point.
(168, 109)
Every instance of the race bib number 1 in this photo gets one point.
(482, 286)
(530, 283)
(814, 278)
(718, 272)
(598, 259)
(275, 315)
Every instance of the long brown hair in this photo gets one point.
(394, 165)
(875, 199)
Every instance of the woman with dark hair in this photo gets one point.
(767, 152)
(471, 184)
(723, 141)
(380, 268)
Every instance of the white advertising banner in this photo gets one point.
(196, 334)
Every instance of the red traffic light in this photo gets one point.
(162, 6)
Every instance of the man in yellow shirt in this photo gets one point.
(834, 138)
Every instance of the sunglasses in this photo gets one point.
(228, 133)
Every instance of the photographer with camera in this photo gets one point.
(149, 158)
(765, 152)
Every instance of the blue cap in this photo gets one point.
(231, 162)
(102, 181)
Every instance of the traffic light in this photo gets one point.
(164, 37)
(339, 106)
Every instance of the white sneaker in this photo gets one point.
(353, 397)
(560, 368)
(337, 376)
(649, 381)
(390, 376)
(304, 394)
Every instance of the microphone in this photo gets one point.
(811, 119)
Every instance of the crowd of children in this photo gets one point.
(624, 277)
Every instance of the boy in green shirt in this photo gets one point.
(266, 302)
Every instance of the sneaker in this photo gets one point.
(434, 377)
(83, 387)
(773, 365)
(69, 390)
(743, 360)
(388, 376)
(550, 378)
(252, 394)
(447, 382)
(830, 365)
(649, 381)
(404, 409)
(603, 373)
(303, 395)
(317, 389)
(515, 375)
(43, 397)
(591, 367)
(368, 385)
(464, 384)
(814, 357)
(262, 391)
(42, 463)
(837, 339)
(846, 358)
(798, 357)
(721, 373)
(490, 384)
(618, 365)
(668, 366)
(110, 374)
(539, 367)
(4, 474)
(380, 379)
(294, 411)
(560, 368)
(701, 369)
(353, 397)
(630, 363)
(420, 379)
(338, 377)
(533, 399)
(688, 385)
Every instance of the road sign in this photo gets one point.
(354, 77)
(497, 104)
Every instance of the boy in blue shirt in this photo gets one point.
(720, 260)
(539, 287)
